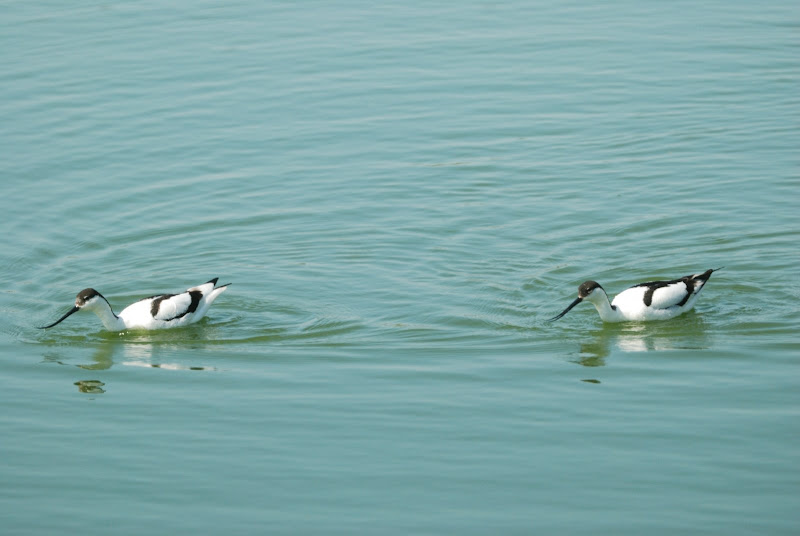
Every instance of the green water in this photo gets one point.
(400, 196)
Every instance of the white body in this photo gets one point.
(629, 304)
(156, 312)
(655, 300)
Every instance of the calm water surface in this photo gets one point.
(400, 196)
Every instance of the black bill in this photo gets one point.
(73, 310)
(565, 311)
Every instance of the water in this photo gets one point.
(400, 195)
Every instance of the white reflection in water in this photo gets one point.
(688, 333)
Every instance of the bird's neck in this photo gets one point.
(608, 312)
(111, 321)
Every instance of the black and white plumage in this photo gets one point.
(654, 300)
(156, 312)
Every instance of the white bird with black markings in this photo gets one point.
(156, 312)
(654, 300)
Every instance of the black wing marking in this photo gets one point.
(169, 307)
(653, 286)
(676, 296)
(156, 305)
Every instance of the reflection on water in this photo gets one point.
(157, 350)
(684, 333)
(137, 354)
(102, 358)
(94, 387)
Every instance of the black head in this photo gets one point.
(587, 288)
(85, 295)
(584, 291)
(81, 300)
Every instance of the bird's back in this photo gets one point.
(172, 310)
(661, 299)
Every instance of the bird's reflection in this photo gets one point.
(157, 350)
(137, 353)
(92, 387)
(685, 333)
(102, 358)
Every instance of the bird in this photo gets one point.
(161, 311)
(654, 300)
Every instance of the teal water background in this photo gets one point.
(400, 195)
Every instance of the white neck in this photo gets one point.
(599, 299)
(111, 321)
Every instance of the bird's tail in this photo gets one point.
(216, 292)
